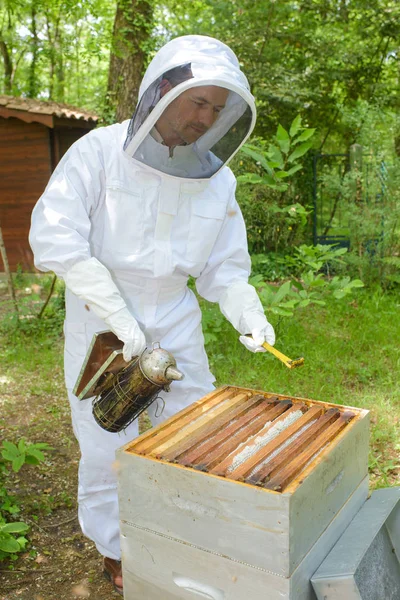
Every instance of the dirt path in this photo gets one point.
(60, 563)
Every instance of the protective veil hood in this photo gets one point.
(184, 64)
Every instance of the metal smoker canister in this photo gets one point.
(129, 392)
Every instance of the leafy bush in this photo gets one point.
(32, 320)
(317, 257)
(277, 214)
(213, 323)
(14, 456)
(9, 545)
(272, 266)
(310, 286)
(276, 266)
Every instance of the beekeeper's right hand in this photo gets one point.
(128, 331)
(92, 281)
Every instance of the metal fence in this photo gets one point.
(340, 181)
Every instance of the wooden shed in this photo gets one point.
(34, 135)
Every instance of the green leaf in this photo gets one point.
(13, 509)
(257, 156)
(282, 292)
(281, 133)
(21, 446)
(8, 455)
(9, 544)
(339, 294)
(297, 284)
(256, 280)
(10, 451)
(281, 174)
(294, 169)
(276, 156)
(17, 527)
(249, 178)
(31, 460)
(273, 165)
(318, 283)
(295, 126)
(268, 180)
(283, 139)
(9, 446)
(279, 311)
(304, 136)
(42, 446)
(305, 302)
(22, 541)
(18, 462)
(300, 151)
(36, 453)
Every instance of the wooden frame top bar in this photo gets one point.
(250, 436)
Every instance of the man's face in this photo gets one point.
(190, 115)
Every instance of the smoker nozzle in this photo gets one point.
(174, 374)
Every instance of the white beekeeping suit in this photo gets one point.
(125, 220)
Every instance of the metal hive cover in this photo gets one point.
(365, 562)
(245, 435)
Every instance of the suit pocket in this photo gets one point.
(205, 224)
(124, 223)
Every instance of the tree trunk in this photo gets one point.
(132, 27)
(33, 82)
(54, 37)
(8, 68)
(60, 76)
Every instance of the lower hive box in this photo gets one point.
(247, 476)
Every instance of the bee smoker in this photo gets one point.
(123, 390)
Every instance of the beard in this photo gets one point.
(190, 132)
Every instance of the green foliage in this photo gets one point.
(14, 456)
(312, 57)
(315, 58)
(213, 324)
(58, 49)
(279, 160)
(32, 293)
(364, 208)
(272, 266)
(269, 175)
(23, 453)
(315, 258)
(310, 286)
(9, 545)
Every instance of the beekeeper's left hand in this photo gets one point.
(258, 337)
(241, 305)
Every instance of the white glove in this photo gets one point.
(241, 305)
(92, 281)
(258, 337)
(128, 331)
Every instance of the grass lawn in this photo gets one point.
(351, 351)
(352, 357)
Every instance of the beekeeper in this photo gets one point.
(131, 211)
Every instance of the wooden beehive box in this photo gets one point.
(248, 475)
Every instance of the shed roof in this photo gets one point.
(47, 112)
